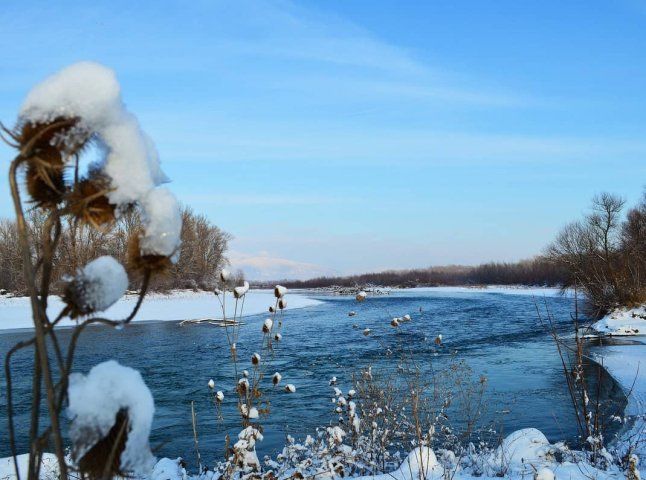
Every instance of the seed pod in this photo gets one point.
(276, 378)
(239, 292)
(394, 322)
(225, 275)
(282, 304)
(366, 332)
(211, 384)
(289, 388)
(140, 263)
(88, 201)
(255, 359)
(279, 291)
(219, 396)
(278, 337)
(266, 327)
(271, 309)
(361, 296)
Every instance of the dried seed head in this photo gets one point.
(394, 322)
(438, 340)
(94, 461)
(366, 332)
(95, 287)
(333, 381)
(361, 296)
(289, 388)
(88, 201)
(243, 386)
(140, 263)
(276, 378)
(240, 292)
(279, 291)
(46, 146)
(271, 309)
(282, 304)
(407, 318)
(211, 384)
(266, 326)
(255, 359)
(225, 275)
(278, 337)
(245, 373)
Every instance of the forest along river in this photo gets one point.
(498, 335)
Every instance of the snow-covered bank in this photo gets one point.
(15, 312)
(501, 289)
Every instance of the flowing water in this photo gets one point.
(497, 335)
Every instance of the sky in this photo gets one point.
(346, 136)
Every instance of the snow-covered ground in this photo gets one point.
(175, 306)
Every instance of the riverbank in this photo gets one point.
(176, 305)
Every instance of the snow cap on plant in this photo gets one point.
(266, 326)
(111, 410)
(361, 296)
(289, 388)
(407, 317)
(366, 332)
(271, 309)
(279, 291)
(282, 304)
(255, 359)
(95, 287)
(278, 337)
(211, 384)
(219, 396)
(240, 291)
(276, 378)
(225, 275)
(245, 373)
(394, 322)
(438, 339)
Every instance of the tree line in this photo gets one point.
(538, 271)
(604, 253)
(201, 255)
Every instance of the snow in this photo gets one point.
(175, 306)
(94, 401)
(163, 223)
(623, 321)
(100, 284)
(48, 469)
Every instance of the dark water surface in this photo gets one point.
(497, 335)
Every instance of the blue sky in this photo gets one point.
(348, 136)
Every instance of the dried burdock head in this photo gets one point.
(141, 263)
(278, 337)
(282, 304)
(366, 332)
(394, 322)
(289, 388)
(438, 340)
(361, 296)
(219, 396)
(105, 456)
(271, 310)
(88, 201)
(45, 147)
(276, 378)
